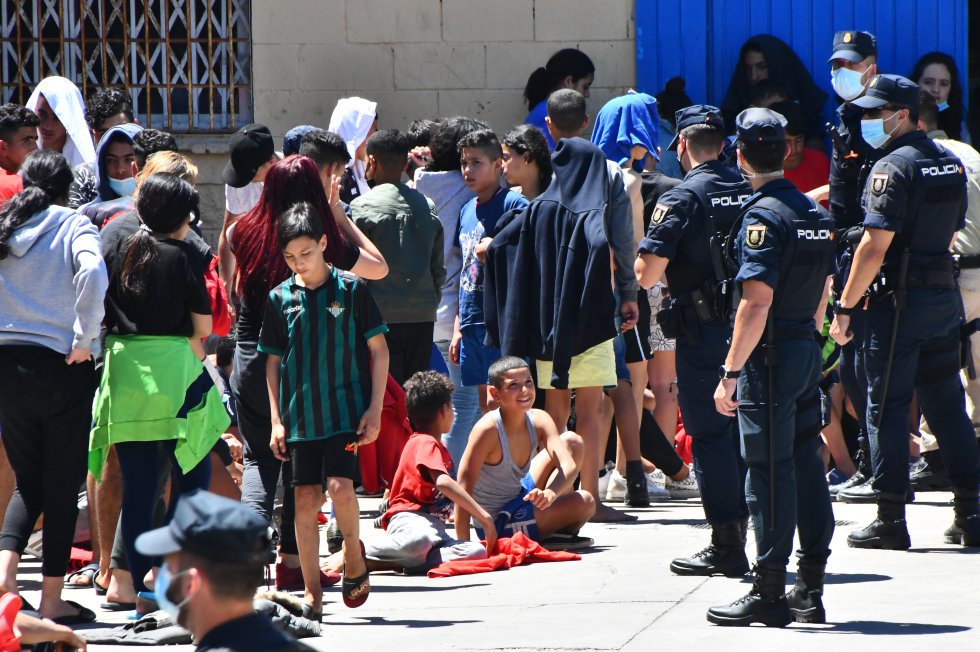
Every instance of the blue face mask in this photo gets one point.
(943, 106)
(123, 187)
(162, 586)
(873, 131)
(847, 83)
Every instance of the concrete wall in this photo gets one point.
(421, 58)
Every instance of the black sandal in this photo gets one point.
(84, 615)
(90, 570)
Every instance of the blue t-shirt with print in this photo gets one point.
(477, 221)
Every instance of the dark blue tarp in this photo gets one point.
(700, 39)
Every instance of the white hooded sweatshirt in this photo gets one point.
(65, 100)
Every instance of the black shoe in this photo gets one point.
(724, 556)
(865, 493)
(883, 535)
(765, 603)
(966, 524)
(806, 604)
(636, 493)
(853, 481)
(335, 540)
(925, 475)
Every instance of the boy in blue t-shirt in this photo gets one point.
(481, 162)
(327, 370)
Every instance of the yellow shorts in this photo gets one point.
(595, 367)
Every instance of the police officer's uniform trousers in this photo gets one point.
(918, 191)
(785, 241)
(682, 223)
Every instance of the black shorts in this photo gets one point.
(637, 339)
(316, 460)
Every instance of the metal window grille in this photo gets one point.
(186, 63)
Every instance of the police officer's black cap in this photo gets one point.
(854, 46)
(210, 526)
(249, 148)
(889, 89)
(760, 126)
(697, 114)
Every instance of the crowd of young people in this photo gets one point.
(483, 282)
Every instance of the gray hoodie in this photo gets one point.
(449, 193)
(53, 283)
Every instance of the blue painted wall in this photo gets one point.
(700, 39)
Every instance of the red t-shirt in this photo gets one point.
(413, 489)
(11, 183)
(812, 172)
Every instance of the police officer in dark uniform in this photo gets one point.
(686, 230)
(214, 550)
(783, 252)
(853, 65)
(914, 202)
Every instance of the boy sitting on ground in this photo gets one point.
(520, 469)
(423, 491)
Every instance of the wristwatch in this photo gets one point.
(842, 311)
(728, 374)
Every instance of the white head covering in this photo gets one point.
(65, 100)
(351, 120)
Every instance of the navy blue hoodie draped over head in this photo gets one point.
(548, 277)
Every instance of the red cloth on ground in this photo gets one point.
(508, 552)
(379, 459)
(812, 172)
(423, 459)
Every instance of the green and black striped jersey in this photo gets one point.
(321, 336)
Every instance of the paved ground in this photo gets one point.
(621, 596)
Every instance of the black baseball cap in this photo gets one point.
(760, 126)
(854, 46)
(210, 526)
(249, 148)
(696, 114)
(889, 89)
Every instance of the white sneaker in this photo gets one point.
(656, 480)
(686, 488)
(616, 491)
(604, 479)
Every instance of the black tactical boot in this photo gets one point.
(636, 485)
(889, 531)
(929, 473)
(965, 529)
(805, 599)
(724, 556)
(765, 603)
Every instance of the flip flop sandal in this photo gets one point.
(88, 570)
(83, 616)
(357, 589)
(118, 606)
(99, 589)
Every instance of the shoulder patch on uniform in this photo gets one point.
(755, 235)
(659, 213)
(879, 183)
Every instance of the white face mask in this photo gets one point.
(873, 131)
(123, 187)
(847, 83)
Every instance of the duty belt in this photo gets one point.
(968, 262)
(938, 274)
